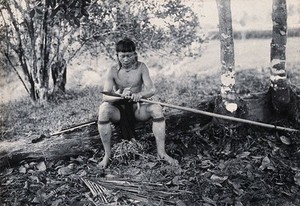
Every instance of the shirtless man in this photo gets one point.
(130, 78)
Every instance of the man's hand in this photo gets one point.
(136, 97)
(126, 93)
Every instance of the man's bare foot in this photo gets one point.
(103, 164)
(169, 159)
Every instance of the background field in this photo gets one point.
(87, 71)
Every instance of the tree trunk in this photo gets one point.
(59, 76)
(43, 73)
(21, 53)
(280, 90)
(227, 104)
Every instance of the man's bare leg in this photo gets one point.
(107, 113)
(159, 128)
(105, 134)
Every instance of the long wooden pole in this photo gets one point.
(197, 111)
(73, 128)
(43, 136)
(222, 116)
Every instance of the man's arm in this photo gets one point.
(148, 86)
(108, 86)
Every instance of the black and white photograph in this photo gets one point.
(149, 102)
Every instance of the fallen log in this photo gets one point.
(82, 141)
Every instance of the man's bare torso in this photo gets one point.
(124, 78)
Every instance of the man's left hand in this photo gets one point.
(136, 97)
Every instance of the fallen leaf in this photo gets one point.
(286, 193)
(227, 149)
(25, 185)
(149, 164)
(218, 179)
(243, 155)
(92, 160)
(8, 182)
(265, 163)
(180, 203)
(35, 200)
(110, 176)
(56, 202)
(235, 185)
(206, 164)
(82, 173)
(285, 140)
(176, 181)
(295, 169)
(22, 170)
(41, 166)
(210, 201)
(238, 203)
(9, 171)
(78, 159)
(34, 178)
(297, 178)
(64, 171)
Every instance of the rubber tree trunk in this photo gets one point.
(43, 73)
(227, 56)
(59, 76)
(280, 90)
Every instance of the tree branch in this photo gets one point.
(20, 50)
(14, 68)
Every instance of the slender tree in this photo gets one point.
(228, 93)
(31, 37)
(280, 89)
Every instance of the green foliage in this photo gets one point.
(168, 25)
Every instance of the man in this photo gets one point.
(130, 78)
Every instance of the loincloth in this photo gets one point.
(127, 120)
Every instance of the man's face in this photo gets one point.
(126, 58)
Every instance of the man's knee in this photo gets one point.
(155, 110)
(105, 112)
(108, 112)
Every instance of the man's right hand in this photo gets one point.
(126, 93)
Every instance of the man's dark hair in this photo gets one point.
(125, 45)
